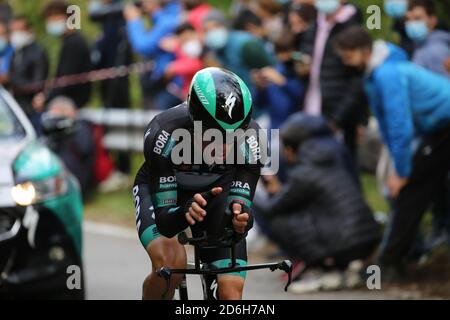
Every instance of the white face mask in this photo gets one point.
(192, 48)
(56, 28)
(20, 39)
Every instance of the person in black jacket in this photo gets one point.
(112, 49)
(320, 215)
(29, 65)
(335, 90)
(74, 57)
(75, 148)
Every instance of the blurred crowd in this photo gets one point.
(314, 72)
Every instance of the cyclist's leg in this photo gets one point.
(163, 252)
(168, 253)
(230, 286)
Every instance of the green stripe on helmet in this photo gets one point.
(204, 87)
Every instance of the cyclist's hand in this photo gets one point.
(195, 211)
(240, 219)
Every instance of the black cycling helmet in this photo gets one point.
(220, 99)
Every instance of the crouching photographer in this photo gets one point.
(319, 217)
(72, 139)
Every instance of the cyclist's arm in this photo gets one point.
(243, 190)
(169, 217)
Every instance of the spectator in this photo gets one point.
(270, 12)
(282, 94)
(334, 90)
(76, 150)
(196, 11)
(397, 10)
(237, 51)
(5, 11)
(6, 53)
(240, 6)
(188, 50)
(249, 22)
(165, 17)
(29, 65)
(320, 214)
(431, 51)
(409, 103)
(112, 49)
(74, 56)
(300, 21)
(432, 46)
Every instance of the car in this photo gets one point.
(41, 214)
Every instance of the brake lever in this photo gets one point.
(286, 266)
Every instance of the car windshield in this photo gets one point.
(10, 127)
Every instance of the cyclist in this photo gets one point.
(170, 197)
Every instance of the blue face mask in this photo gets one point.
(95, 6)
(216, 39)
(416, 30)
(327, 6)
(3, 45)
(396, 8)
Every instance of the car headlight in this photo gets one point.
(27, 193)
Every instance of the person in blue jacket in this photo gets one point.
(412, 106)
(6, 53)
(165, 16)
(281, 94)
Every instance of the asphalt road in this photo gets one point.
(116, 264)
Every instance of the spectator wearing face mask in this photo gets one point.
(334, 90)
(238, 51)
(432, 46)
(397, 10)
(74, 56)
(188, 50)
(29, 65)
(6, 53)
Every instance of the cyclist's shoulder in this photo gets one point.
(171, 119)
